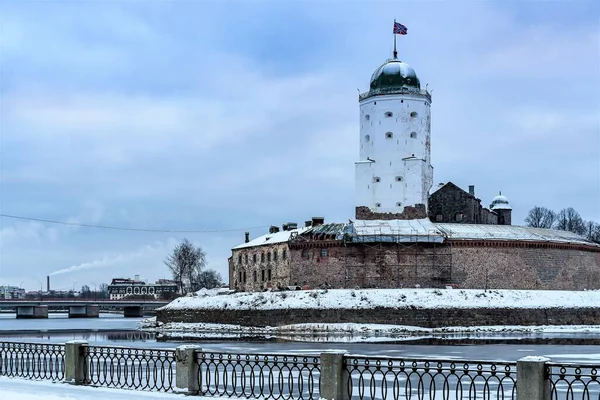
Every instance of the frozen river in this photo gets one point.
(113, 329)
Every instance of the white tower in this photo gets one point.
(394, 174)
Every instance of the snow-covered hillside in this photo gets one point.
(394, 298)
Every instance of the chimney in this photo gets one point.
(247, 237)
(307, 224)
(472, 190)
(292, 225)
(136, 277)
(284, 227)
(316, 221)
(273, 229)
(48, 283)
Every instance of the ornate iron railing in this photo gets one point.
(574, 382)
(422, 379)
(32, 360)
(265, 376)
(142, 369)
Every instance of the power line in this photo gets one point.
(118, 228)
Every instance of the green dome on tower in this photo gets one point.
(394, 76)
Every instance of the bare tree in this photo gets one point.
(209, 279)
(592, 231)
(186, 263)
(540, 217)
(569, 220)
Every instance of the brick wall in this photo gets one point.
(256, 263)
(429, 318)
(525, 268)
(410, 212)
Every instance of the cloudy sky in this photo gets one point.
(234, 115)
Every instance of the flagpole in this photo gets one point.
(395, 52)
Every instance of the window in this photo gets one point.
(246, 258)
(239, 259)
(388, 114)
(398, 204)
(367, 138)
(262, 275)
(413, 114)
(275, 255)
(254, 257)
(439, 217)
(240, 276)
(323, 252)
(377, 204)
(244, 276)
(269, 256)
(254, 276)
(389, 135)
(305, 254)
(269, 275)
(262, 257)
(367, 117)
(284, 254)
(413, 135)
(376, 179)
(398, 179)
(401, 101)
(458, 217)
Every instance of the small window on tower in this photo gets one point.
(458, 217)
(377, 204)
(376, 179)
(398, 204)
(367, 138)
(413, 135)
(439, 218)
(398, 179)
(413, 114)
(389, 135)
(367, 117)
(388, 114)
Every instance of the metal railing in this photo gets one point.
(121, 367)
(264, 376)
(573, 382)
(421, 379)
(32, 360)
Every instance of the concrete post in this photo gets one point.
(186, 369)
(334, 380)
(75, 362)
(531, 379)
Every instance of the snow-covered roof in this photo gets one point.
(395, 230)
(500, 203)
(436, 188)
(509, 232)
(270, 238)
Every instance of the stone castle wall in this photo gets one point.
(428, 318)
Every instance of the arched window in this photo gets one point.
(413, 135)
(367, 117)
(367, 138)
(398, 204)
(262, 257)
(389, 114)
(254, 276)
(376, 179)
(398, 179)
(269, 256)
(439, 217)
(413, 114)
(254, 257)
(377, 204)
(389, 135)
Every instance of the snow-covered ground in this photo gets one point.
(23, 389)
(394, 298)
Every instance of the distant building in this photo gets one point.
(121, 288)
(11, 292)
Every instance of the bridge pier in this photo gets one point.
(91, 311)
(133, 311)
(32, 312)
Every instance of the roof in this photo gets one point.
(500, 203)
(270, 238)
(509, 232)
(395, 230)
(332, 229)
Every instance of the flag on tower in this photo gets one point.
(399, 29)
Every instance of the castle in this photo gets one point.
(405, 232)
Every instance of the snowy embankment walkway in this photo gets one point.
(370, 299)
(386, 298)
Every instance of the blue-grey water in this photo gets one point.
(115, 330)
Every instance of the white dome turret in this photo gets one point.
(500, 203)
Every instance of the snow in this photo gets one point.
(416, 230)
(270, 238)
(390, 298)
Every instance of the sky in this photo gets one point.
(230, 116)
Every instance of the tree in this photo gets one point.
(186, 263)
(569, 220)
(540, 217)
(208, 279)
(592, 231)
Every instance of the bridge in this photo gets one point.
(78, 308)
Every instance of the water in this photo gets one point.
(115, 330)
